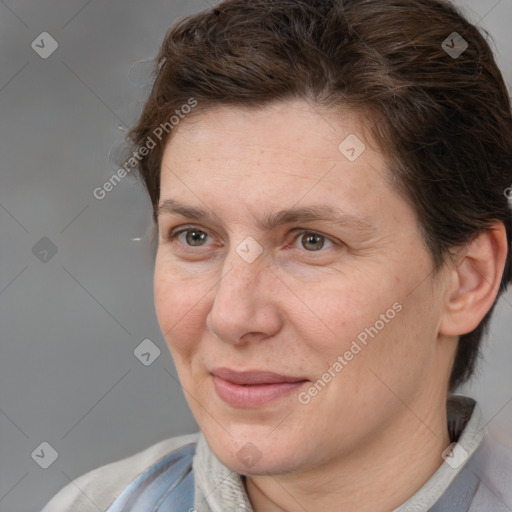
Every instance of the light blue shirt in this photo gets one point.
(476, 475)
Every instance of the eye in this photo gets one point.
(191, 237)
(312, 241)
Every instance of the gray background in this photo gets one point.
(70, 325)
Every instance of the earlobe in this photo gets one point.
(477, 275)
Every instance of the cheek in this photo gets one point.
(371, 320)
(338, 313)
(181, 307)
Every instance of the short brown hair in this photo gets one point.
(443, 121)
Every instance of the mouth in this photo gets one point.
(251, 389)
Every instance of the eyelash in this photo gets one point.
(299, 232)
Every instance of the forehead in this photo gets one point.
(296, 127)
(285, 153)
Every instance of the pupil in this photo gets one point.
(195, 237)
(312, 242)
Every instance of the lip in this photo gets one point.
(252, 388)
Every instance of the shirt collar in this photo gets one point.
(467, 430)
(218, 489)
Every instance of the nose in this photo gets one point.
(245, 306)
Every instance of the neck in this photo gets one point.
(379, 475)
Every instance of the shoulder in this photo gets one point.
(98, 488)
(493, 468)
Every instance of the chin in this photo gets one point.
(253, 453)
(254, 464)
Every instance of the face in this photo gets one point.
(293, 287)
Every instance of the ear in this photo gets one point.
(475, 280)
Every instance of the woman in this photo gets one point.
(327, 181)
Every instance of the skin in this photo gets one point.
(294, 309)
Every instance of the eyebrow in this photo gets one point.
(272, 220)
